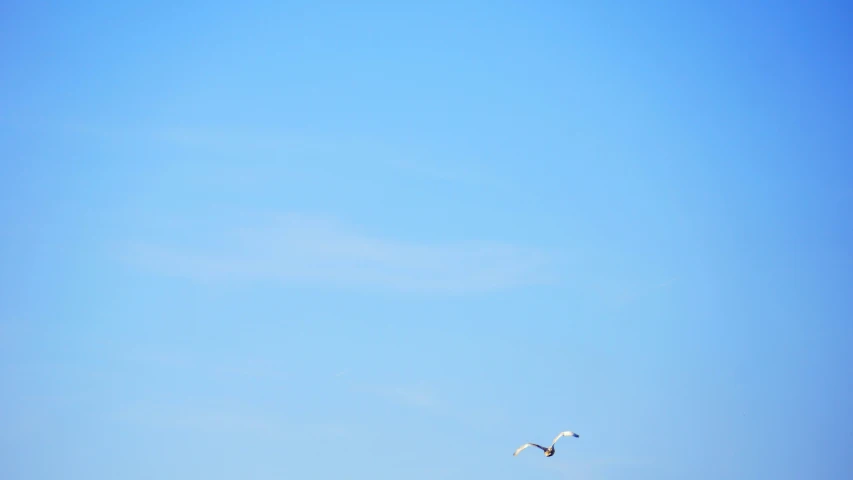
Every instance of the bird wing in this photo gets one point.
(563, 434)
(527, 445)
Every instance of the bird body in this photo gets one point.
(549, 451)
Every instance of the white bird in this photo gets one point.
(550, 450)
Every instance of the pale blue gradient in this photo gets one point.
(348, 240)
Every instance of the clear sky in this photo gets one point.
(356, 240)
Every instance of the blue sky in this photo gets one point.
(356, 240)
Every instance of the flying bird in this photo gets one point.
(550, 450)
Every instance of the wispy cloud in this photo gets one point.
(194, 417)
(453, 172)
(632, 294)
(209, 138)
(218, 367)
(327, 431)
(406, 160)
(602, 467)
(316, 251)
(417, 395)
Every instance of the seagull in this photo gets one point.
(550, 450)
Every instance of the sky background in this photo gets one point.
(357, 240)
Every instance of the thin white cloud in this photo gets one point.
(297, 145)
(595, 467)
(413, 395)
(453, 172)
(328, 431)
(218, 367)
(194, 417)
(228, 139)
(315, 251)
(631, 294)
(418, 395)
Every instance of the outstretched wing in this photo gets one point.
(527, 445)
(564, 434)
